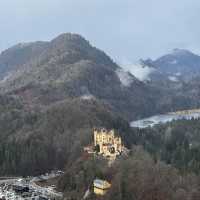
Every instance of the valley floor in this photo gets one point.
(29, 189)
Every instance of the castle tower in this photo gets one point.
(109, 145)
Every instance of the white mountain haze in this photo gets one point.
(140, 71)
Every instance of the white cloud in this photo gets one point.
(139, 71)
(178, 74)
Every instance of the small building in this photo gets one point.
(101, 186)
(20, 188)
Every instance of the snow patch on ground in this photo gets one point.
(173, 78)
(87, 97)
(173, 62)
(6, 78)
(125, 78)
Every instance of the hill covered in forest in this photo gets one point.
(44, 73)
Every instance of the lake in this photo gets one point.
(163, 118)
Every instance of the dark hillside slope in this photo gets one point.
(37, 142)
(20, 54)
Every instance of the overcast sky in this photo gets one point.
(125, 29)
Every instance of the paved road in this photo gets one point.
(8, 180)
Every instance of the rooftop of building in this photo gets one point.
(107, 130)
(103, 184)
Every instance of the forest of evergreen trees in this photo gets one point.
(164, 161)
(164, 164)
(176, 143)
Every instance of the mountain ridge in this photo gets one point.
(69, 67)
(179, 62)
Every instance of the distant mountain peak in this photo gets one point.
(23, 44)
(178, 61)
(180, 52)
(70, 38)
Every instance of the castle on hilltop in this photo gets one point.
(107, 144)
